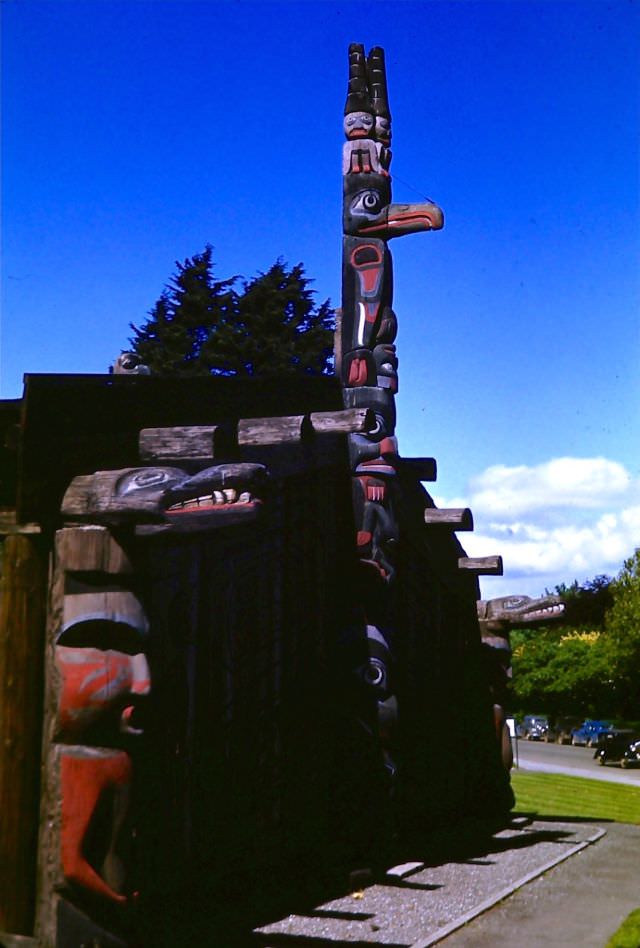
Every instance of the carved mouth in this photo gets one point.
(219, 499)
(548, 612)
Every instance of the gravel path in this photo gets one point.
(421, 903)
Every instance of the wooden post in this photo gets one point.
(22, 615)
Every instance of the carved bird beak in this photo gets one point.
(398, 219)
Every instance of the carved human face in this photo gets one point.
(358, 125)
(104, 678)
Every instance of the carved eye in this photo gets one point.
(378, 427)
(373, 673)
(367, 202)
(514, 602)
(147, 478)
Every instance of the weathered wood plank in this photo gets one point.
(349, 421)
(453, 518)
(287, 429)
(22, 616)
(481, 565)
(92, 549)
(193, 442)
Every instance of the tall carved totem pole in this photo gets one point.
(366, 356)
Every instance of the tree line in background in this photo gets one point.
(269, 325)
(589, 664)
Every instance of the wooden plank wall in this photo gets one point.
(243, 750)
(451, 761)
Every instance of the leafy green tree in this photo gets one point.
(566, 667)
(563, 671)
(269, 326)
(590, 664)
(623, 634)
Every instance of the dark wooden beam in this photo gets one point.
(423, 469)
(453, 518)
(481, 565)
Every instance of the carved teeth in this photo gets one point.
(219, 497)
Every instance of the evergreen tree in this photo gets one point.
(203, 326)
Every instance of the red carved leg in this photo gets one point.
(85, 776)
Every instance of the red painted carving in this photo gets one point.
(357, 373)
(86, 776)
(96, 683)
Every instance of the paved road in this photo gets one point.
(577, 761)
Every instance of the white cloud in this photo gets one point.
(561, 482)
(565, 519)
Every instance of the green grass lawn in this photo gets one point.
(557, 795)
(628, 935)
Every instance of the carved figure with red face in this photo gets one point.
(104, 681)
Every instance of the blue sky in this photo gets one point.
(136, 132)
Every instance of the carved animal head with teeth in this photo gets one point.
(168, 496)
(512, 612)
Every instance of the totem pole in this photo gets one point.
(366, 359)
(97, 683)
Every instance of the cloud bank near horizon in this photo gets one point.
(564, 519)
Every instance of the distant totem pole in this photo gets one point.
(366, 356)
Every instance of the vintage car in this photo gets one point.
(533, 727)
(590, 732)
(619, 747)
(560, 730)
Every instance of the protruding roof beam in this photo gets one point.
(453, 518)
(481, 565)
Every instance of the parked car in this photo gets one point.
(620, 746)
(533, 727)
(589, 733)
(560, 729)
